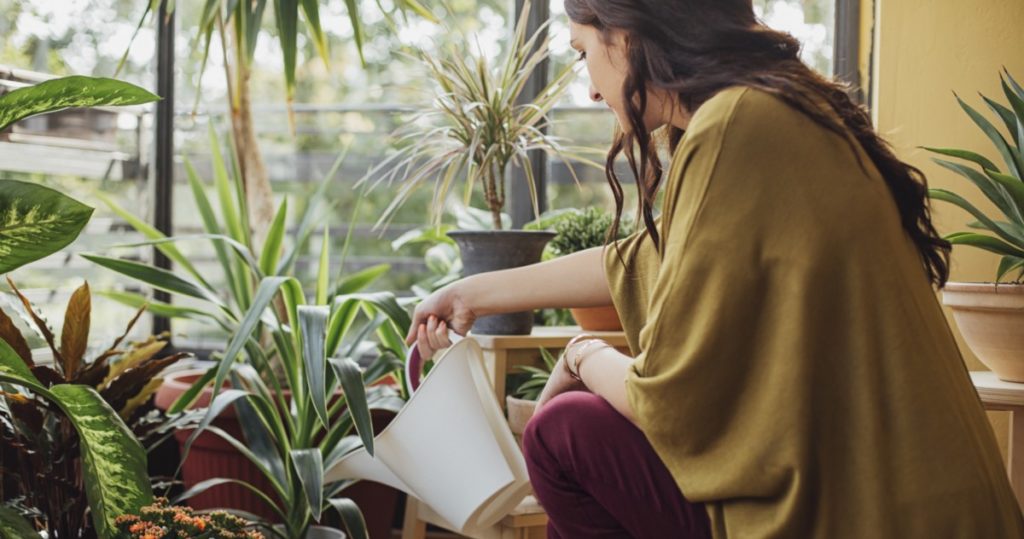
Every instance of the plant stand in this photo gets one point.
(502, 353)
(1000, 395)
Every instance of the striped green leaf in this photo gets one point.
(313, 325)
(35, 222)
(113, 462)
(351, 379)
(65, 92)
(351, 517)
(309, 466)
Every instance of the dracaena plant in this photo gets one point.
(1001, 234)
(294, 437)
(77, 422)
(477, 126)
(290, 360)
(36, 221)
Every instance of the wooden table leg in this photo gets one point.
(1015, 455)
(496, 362)
(412, 526)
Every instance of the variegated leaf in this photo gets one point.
(74, 91)
(35, 222)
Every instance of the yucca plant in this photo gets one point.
(78, 420)
(290, 360)
(1003, 187)
(239, 26)
(36, 221)
(477, 126)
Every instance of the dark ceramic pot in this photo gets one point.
(492, 250)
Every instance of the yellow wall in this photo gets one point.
(925, 50)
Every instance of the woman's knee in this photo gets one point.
(576, 415)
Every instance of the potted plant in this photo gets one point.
(523, 401)
(57, 410)
(165, 521)
(478, 127)
(578, 230)
(226, 296)
(991, 315)
(282, 368)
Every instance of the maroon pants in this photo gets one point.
(596, 475)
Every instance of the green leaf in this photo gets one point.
(275, 236)
(312, 10)
(1008, 264)
(264, 295)
(313, 324)
(1006, 115)
(953, 198)
(157, 277)
(203, 486)
(13, 526)
(987, 243)
(74, 91)
(152, 233)
(323, 273)
(287, 17)
(361, 279)
(1013, 160)
(357, 27)
(192, 393)
(159, 308)
(1002, 200)
(309, 466)
(36, 221)
(351, 517)
(113, 462)
(351, 379)
(211, 225)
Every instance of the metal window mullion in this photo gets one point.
(163, 179)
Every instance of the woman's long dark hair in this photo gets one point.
(696, 48)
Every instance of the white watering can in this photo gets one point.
(449, 446)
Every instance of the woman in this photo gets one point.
(792, 372)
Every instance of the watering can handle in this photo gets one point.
(414, 363)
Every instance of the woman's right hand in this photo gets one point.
(442, 310)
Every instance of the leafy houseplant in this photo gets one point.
(478, 127)
(112, 465)
(578, 230)
(989, 314)
(163, 521)
(294, 383)
(522, 403)
(124, 375)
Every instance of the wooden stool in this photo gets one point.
(998, 394)
(527, 521)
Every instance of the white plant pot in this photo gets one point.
(991, 319)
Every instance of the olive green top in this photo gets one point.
(793, 367)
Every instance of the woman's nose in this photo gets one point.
(595, 95)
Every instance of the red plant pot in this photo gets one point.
(213, 457)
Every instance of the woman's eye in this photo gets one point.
(582, 56)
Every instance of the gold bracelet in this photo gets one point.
(574, 366)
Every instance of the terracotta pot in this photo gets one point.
(991, 319)
(597, 318)
(519, 413)
(212, 457)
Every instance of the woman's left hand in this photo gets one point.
(559, 382)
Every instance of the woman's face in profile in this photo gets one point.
(604, 54)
